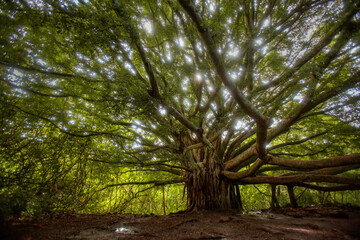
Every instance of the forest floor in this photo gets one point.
(284, 223)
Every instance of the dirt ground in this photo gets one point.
(285, 223)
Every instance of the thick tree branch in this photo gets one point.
(220, 68)
(250, 171)
(237, 141)
(233, 163)
(316, 164)
(261, 120)
(294, 180)
(327, 166)
(120, 11)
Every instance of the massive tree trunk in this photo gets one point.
(206, 189)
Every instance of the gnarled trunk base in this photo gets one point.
(206, 190)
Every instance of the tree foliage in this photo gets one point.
(98, 96)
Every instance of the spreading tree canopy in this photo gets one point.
(211, 94)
